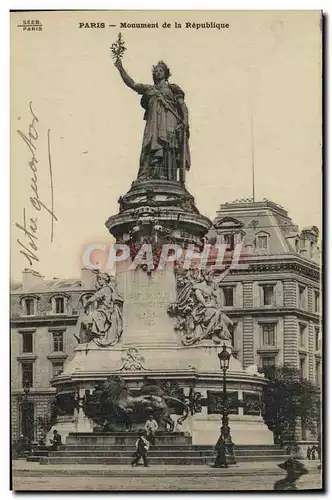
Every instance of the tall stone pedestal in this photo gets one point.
(146, 299)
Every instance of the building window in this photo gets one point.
(302, 334)
(302, 297)
(29, 307)
(316, 302)
(27, 340)
(229, 241)
(228, 292)
(317, 373)
(303, 366)
(312, 249)
(267, 361)
(57, 368)
(27, 374)
(57, 341)
(262, 242)
(59, 305)
(317, 346)
(268, 295)
(269, 334)
(296, 245)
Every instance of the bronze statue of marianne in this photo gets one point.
(165, 150)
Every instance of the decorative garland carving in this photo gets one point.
(132, 360)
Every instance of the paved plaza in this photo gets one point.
(29, 476)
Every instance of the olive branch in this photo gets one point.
(118, 47)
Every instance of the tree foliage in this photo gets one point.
(288, 398)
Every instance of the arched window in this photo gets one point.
(262, 241)
(29, 305)
(59, 303)
(229, 232)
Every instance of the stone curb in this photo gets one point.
(147, 473)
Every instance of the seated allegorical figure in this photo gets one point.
(104, 324)
(198, 309)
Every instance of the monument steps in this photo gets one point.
(128, 453)
(122, 438)
(155, 460)
(155, 452)
(170, 449)
(250, 447)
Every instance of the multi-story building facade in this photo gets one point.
(273, 298)
(44, 318)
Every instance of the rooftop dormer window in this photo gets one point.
(229, 241)
(29, 305)
(262, 240)
(59, 303)
(229, 232)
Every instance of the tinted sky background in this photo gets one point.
(267, 65)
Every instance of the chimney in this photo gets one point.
(88, 278)
(31, 279)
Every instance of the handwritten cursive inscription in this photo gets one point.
(29, 225)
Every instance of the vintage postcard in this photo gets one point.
(166, 218)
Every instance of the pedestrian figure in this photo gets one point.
(309, 453)
(294, 470)
(142, 446)
(151, 428)
(313, 453)
(221, 453)
(56, 441)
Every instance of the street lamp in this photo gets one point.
(224, 358)
(24, 402)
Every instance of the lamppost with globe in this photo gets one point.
(224, 358)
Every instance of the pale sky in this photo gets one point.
(267, 65)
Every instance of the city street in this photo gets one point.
(189, 483)
(28, 476)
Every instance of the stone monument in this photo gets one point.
(158, 319)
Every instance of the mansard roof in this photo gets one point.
(262, 217)
(54, 285)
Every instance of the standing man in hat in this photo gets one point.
(142, 446)
(151, 428)
(294, 470)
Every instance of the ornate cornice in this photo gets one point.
(282, 264)
(272, 312)
(37, 321)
